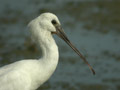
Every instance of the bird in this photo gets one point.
(30, 74)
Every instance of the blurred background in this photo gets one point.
(93, 26)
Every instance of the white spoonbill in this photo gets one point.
(32, 73)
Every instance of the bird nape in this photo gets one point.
(32, 73)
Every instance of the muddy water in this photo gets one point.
(94, 28)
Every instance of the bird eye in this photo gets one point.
(54, 22)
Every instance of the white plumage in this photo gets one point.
(30, 74)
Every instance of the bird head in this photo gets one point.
(46, 25)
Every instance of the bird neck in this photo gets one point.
(49, 48)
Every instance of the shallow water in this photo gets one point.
(94, 28)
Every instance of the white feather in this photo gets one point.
(30, 74)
